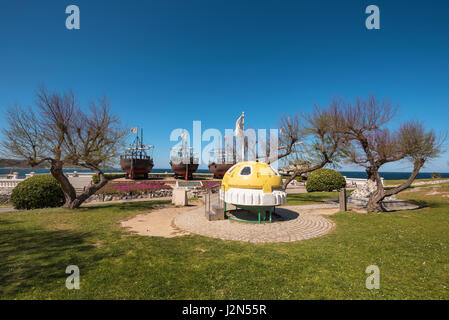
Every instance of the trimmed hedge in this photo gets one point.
(108, 176)
(40, 191)
(325, 180)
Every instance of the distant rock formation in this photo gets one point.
(19, 164)
(23, 164)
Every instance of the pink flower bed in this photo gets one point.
(211, 185)
(133, 187)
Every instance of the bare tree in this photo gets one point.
(60, 133)
(373, 144)
(312, 144)
(274, 148)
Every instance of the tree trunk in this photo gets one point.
(90, 191)
(300, 172)
(417, 165)
(66, 186)
(371, 174)
(289, 179)
(374, 205)
(72, 201)
(375, 201)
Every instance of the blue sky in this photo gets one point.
(163, 64)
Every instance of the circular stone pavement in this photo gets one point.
(297, 225)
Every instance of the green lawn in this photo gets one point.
(5, 204)
(396, 182)
(411, 249)
(310, 197)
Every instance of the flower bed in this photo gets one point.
(126, 190)
(213, 186)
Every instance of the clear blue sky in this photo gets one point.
(165, 63)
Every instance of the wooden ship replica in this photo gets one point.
(221, 162)
(183, 161)
(135, 161)
(224, 159)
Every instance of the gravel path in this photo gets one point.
(300, 223)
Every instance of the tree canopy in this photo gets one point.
(58, 131)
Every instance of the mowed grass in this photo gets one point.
(411, 248)
(396, 182)
(309, 197)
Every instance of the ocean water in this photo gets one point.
(349, 174)
(23, 172)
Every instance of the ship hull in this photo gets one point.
(136, 168)
(184, 170)
(219, 169)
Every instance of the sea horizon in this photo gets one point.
(387, 175)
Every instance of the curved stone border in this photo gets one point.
(301, 226)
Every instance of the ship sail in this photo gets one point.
(135, 161)
(183, 161)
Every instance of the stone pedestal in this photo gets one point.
(179, 197)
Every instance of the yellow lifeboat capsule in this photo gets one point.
(252, 184)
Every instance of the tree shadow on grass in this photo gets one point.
(35, 258)
(426, 203)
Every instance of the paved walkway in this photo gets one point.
(6, 209)
(300, 223)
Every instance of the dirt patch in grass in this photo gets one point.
(158, 223)
(98, 244)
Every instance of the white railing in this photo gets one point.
(9, 183)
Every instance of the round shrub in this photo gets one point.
(325, 180)
(41, 191)
(436, 175)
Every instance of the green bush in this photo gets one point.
(436, 175)
(325, 180)
(108, 176)
(41, 191)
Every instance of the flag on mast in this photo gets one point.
(134, 130)
(240, 126)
